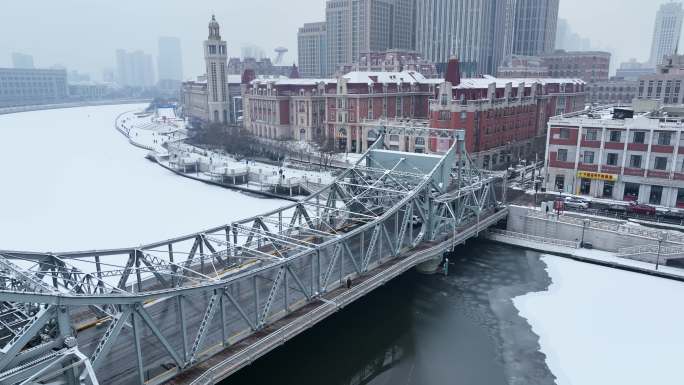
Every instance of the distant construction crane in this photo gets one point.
(280, 52)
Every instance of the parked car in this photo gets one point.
(641, 208)
(575, 202)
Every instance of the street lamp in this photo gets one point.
(661, 238)
(585, 222)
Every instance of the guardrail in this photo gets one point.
(233, 363)
(535, 238)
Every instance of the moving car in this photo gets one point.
(575, 202)
(641, 208)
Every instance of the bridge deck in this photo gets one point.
(230, 360)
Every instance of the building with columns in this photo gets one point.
(334, 109)
(216, 58)
(616, 154)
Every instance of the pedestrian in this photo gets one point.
(349, 283)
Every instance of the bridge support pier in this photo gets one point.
(431, 266)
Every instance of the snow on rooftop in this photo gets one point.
(486, 80)
(384, 77)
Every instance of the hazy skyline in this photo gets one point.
(83, 35)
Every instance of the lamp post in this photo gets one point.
(584, 226)
(661, 238)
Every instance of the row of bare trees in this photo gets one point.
(241, 143)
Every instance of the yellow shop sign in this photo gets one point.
(597, 175)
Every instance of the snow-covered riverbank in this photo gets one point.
(163, 134)
(71, 182)
(605, 326)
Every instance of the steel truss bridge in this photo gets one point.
(197, 308)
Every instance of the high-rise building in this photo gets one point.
(134, 69)
(311, 43)
(169, 61)
(478, 32)
(20, 60)
(357, 26)
(666, 33)
(535, 27)
(216, 58)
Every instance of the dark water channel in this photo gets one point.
(460, 329)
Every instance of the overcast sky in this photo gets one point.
(83, 34)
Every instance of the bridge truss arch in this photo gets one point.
(146, 314)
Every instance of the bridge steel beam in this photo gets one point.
(157, 326)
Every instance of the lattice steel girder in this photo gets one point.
(320, 241)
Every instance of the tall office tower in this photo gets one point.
(216, 57)
(535, 27)
(355, 27)
(169, 60)
(20, 60)
(504, 30)
(666, 33)
(134, 69)
(141, 72)
(122, 68)
(478, 32)
(311, 43)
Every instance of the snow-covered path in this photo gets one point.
(70, 181)
(607, 326)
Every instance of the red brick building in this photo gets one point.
(305, 109)
(504, 119)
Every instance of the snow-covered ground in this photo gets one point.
(607, 326)
(153, 131)
(70, 181)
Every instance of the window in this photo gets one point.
(639, 137)
(660, 163)
(591, 135)
(444, 115)
(680, 198)
(564, 133)
(562, 155)
(656, 195)
(615, 136)
(588, 157)
(631, 192)
(635, 161)
(464, 115)
(608, 188)
(664, 138)
(585, 186)
(612, 159)
(560, 182)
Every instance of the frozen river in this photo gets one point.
(70, 181)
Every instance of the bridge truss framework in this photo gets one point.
(149, 313)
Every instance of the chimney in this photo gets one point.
(294, 72)
(248, 76)
(453, 72)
